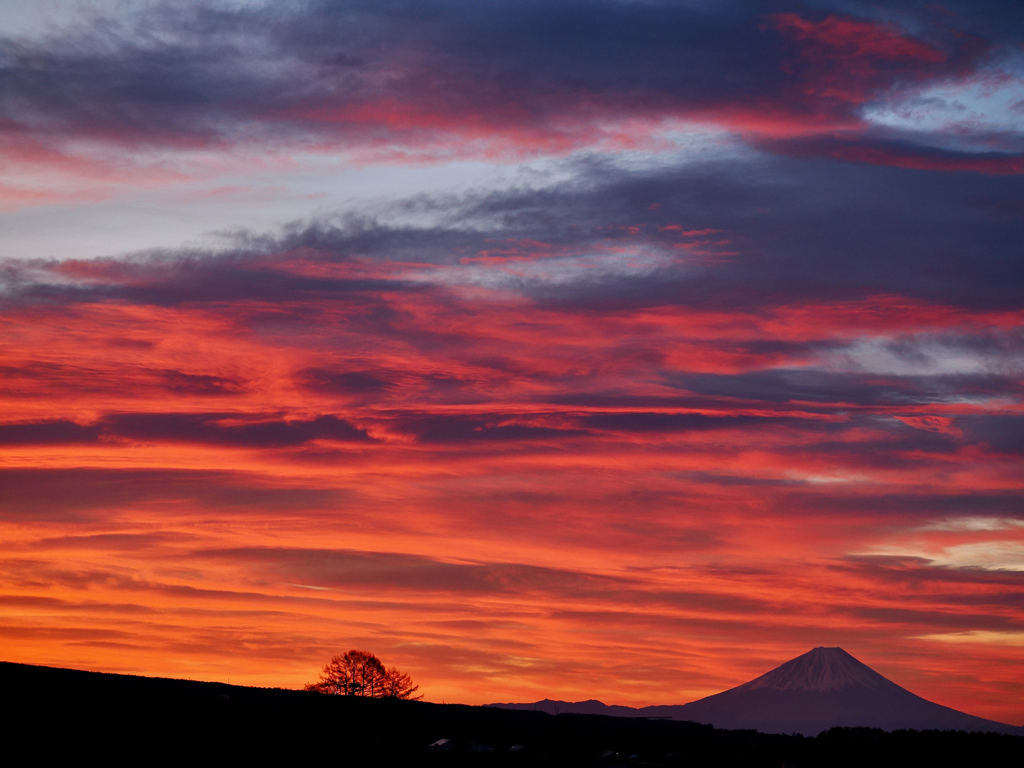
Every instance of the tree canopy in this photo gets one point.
(360, 673)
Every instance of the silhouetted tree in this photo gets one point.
(360, 673)
(398, 685)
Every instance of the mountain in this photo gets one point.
(824, 688)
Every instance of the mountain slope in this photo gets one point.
(823, 688)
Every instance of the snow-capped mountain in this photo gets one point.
(823, 688)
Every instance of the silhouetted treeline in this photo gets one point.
(66, 713)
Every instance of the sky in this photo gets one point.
(614, 349)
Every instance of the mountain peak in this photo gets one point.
(820, 669)
(824, 688)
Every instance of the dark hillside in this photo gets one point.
(119, 717)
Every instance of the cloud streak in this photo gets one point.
(488, 78)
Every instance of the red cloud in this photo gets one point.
(846, 38)
(842, 62)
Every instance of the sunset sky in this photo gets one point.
(615, 349)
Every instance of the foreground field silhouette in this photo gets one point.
(62, 712)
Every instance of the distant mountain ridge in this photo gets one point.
(822, 689)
